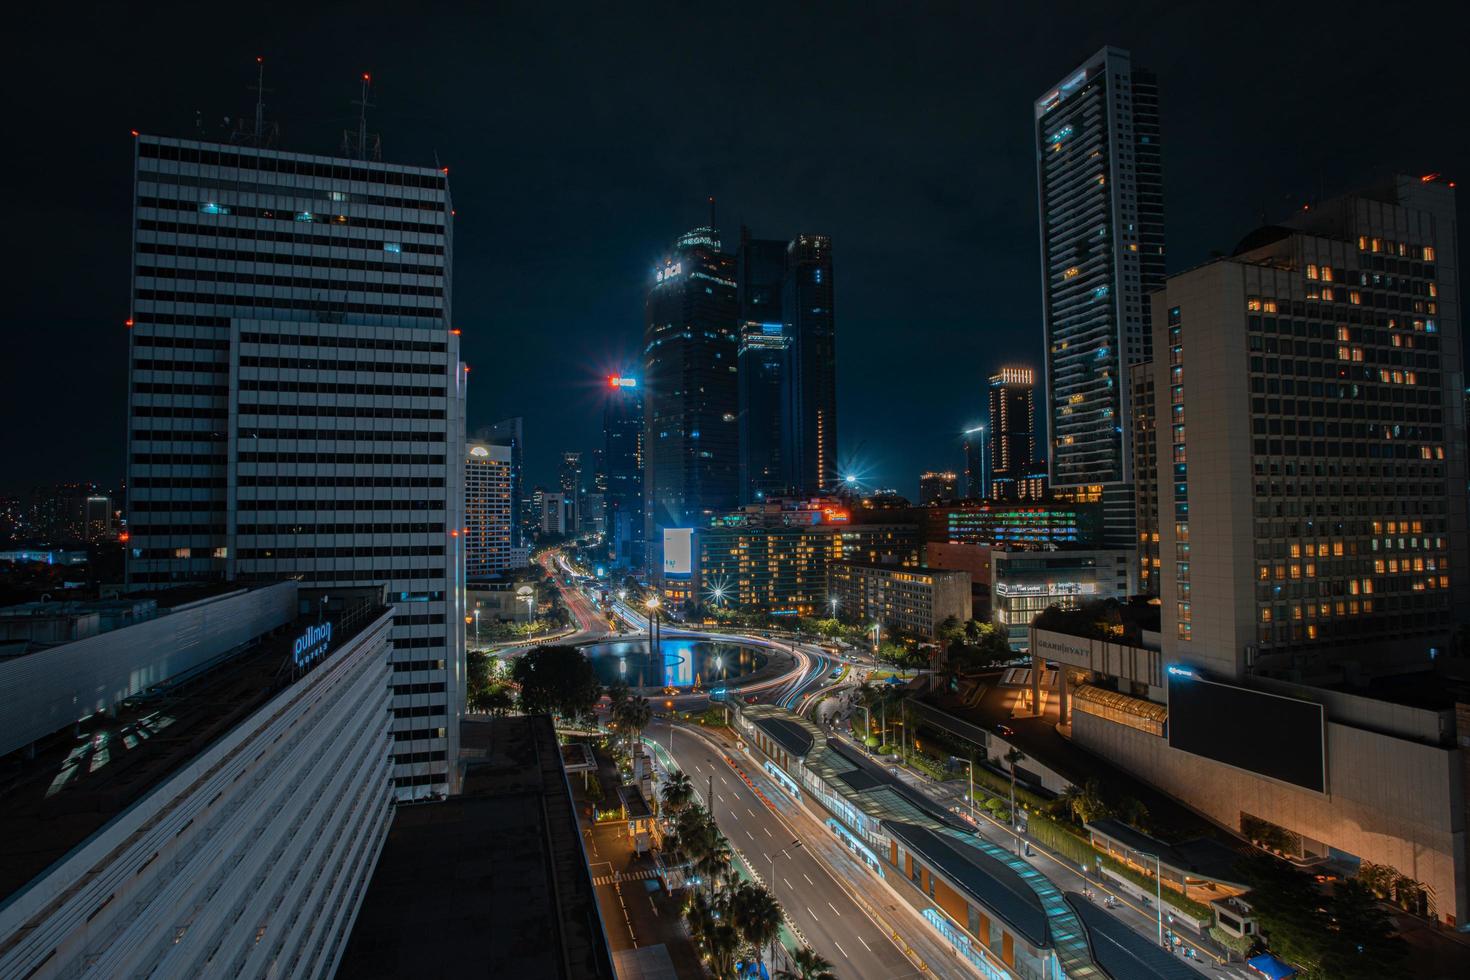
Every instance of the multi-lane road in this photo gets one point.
(840, 907)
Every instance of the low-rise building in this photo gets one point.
(916, 601)
(1023, 583)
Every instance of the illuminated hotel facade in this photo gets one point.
(1012, 432)
(1100, 198)
(1312, 422)
(488, 517)
(296, 399)
(778, 560)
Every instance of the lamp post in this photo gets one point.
(1158, 891)
(477, 627)
(652, 605)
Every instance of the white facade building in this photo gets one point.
(487, 510)
(297, 399)
(228, 826)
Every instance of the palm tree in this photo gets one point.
(678, 792)
(757, 916)
(1012, 757)
(810, 965)
(632, 716)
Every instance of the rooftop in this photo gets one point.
(496, 876)
(1201, 857)
(788, 733)
(1124, 953)
(79, 780)
(993, 882)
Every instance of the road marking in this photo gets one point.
(786, 883)
(860, 939)
(808, 880)
(812, 914)
(750, 835)
(840, 949)
(747, 810)
(833, 908)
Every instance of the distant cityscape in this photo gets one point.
(1162, 670)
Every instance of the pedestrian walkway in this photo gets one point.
(644, 875)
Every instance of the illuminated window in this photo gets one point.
(1343, 333)
(1311, 631)
(1327, 294)
(1429, 255)
(1270, 305)
(1312, 271)
(1254, 305)
(1362, 243)
(1355, 297)
(1327, 273)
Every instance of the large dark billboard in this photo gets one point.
(1269, 734)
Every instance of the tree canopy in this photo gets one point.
(556, 680)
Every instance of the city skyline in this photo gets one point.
(873, 218)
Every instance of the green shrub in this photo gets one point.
(1239, 945)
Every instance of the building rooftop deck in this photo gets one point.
(494, 879)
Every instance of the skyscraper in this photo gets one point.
(1100, 195)
(488, 517)
(974, 465)
(572, 488)
(1312, 468)
(807, 310)
(1012, 431)
(297, 399)
(767, 372)
(622, 433)
(788, 388)
(691, 396)
(510, 432)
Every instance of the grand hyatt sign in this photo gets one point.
(1054, 644)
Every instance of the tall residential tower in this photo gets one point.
(1100, 196)
(296, 400)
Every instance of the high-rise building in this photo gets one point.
(297, 399)
(572, 488)
(1146, 477)
(1100, 195)
(691, 461)
(807, 311)
(622, 435)
(788, 402)
(974, 465)
(488, 517)
(1312, 470)
(558, 514)
(510, 433)
(1012, 431)
(938, 487)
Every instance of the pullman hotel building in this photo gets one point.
(296, 399)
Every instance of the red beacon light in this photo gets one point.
(128, 323)
(135, 133)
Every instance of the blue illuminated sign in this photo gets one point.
(312, 645)
(1178, 671)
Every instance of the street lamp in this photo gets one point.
(1158, 891)
(652, 605)
(984, 484)
(833, 603)
(477, 626)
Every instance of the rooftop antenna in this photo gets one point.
(365, 147)
(263, 133)
(712, 212)
(259, 96)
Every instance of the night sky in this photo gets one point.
(582, 138)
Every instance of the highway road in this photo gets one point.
(822, 887)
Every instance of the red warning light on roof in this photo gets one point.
(1428, 177)
(128, 323)
(456, 331)
(135, 132)
(366, 77)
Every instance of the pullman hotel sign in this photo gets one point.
(312, 645)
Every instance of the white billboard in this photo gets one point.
(678, 551)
